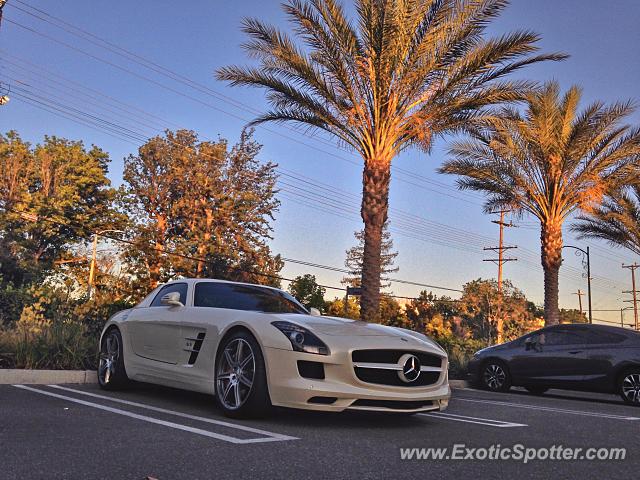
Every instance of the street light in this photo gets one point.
(93, 256)
(585, 254)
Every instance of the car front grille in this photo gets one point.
(393, 356)
(382, 367)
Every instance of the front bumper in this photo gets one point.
(288, 389)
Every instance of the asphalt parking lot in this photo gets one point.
(81, 432)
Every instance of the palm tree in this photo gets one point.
(617, 220)
(405, 72)
(549, 161)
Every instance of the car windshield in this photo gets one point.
(245, 297)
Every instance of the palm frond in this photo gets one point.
(551, 160)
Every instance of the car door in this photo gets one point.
(553, 357)
(155, 330)
(602, 351)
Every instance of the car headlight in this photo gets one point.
(302, 340)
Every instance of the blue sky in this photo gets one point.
(438, 231)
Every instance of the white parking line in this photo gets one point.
(476, 420)
(549, 409)
(178, 414)
(269, 436)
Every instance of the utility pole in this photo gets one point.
(92, 267)
(501, 260)
(580, 293)
(633, 291)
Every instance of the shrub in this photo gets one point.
(460, 351)
(55, 331)
(60, 346)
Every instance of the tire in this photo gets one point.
(629, 387)
(112, 374)
(495, 376)
(536, 390)
(241, 379)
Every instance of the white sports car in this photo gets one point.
(254, 346)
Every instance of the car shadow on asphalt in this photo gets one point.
(331, 420)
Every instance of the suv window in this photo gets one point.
(181, 288)
(245, 297)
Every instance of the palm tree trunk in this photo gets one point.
(375, 205)
(551, 239)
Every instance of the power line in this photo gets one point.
(446, 241)
(411, 174)
(218, 109)
(154, 66)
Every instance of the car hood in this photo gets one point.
(344, 328)
(341, 326)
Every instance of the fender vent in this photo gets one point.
(197, 345)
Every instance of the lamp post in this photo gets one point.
(585, 254)
(92, 268)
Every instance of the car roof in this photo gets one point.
(191, 281)
(591, 326)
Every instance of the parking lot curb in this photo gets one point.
(458, 383)
(13, 376)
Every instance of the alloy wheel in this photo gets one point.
(494, 376)
(235, 375)
(109, 354)
(631, 388)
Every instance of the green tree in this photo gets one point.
(308, 292)
(484, 312)
(355, 259)
(403, 74)
(335, 308)
(548, 161)
(617, 220)
(392, 313)
(429, 313)
(572, 316)
(201, 200)
(53, 195)
(149, 196)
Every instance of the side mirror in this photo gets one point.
(315, 312)
(529, 343)
(171, 299)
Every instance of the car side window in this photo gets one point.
(181, 288)
(563, 337)
(244, 297)
(600, 337)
